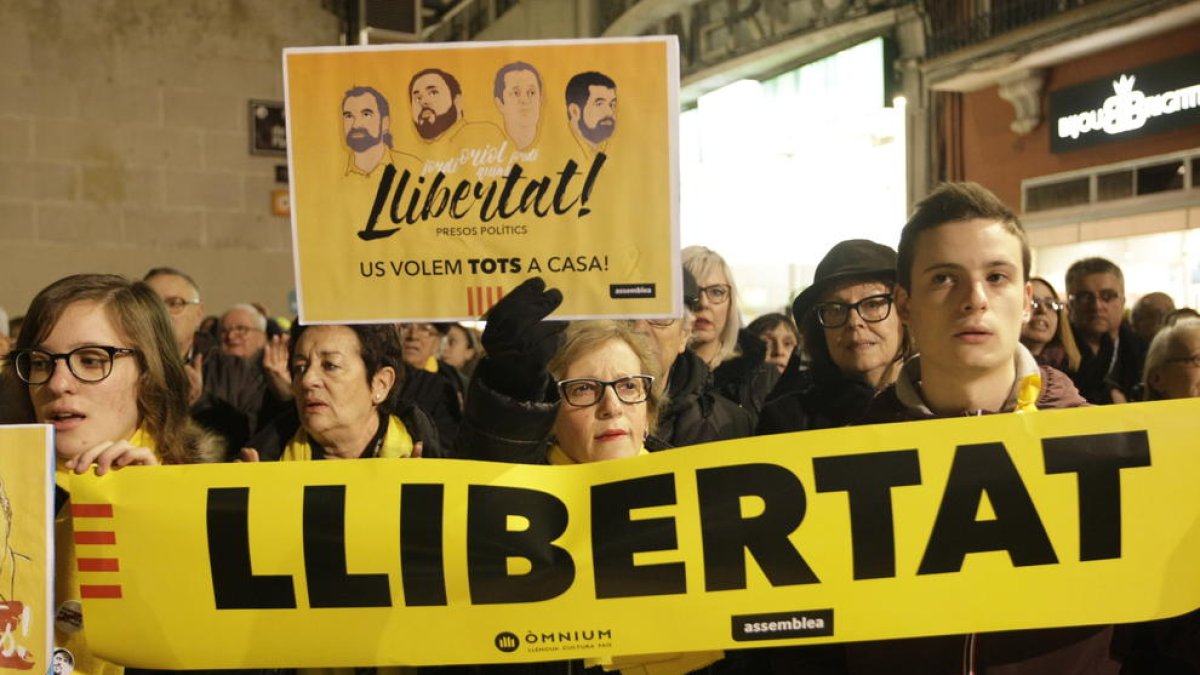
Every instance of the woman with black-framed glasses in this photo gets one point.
(1047, 334)
(97, 360)
(853, 335)
(552, 393)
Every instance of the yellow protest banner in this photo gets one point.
(1057, 518)
(429, 180)
(26, 548)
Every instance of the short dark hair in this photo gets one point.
(769, 322)
(579, 86)
(949, 203)
(498, 86)
(379, 345)
(173, 272)
(380, 102)
(451, 83)
(1089, 266)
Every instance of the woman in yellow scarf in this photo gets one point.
(96, 359)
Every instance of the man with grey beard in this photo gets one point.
(366, 122)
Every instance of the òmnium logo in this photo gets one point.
(507, 642)
(555, 641)
(779, 625)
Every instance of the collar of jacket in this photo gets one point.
(1026, 388)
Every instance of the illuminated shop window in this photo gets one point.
(775, 172)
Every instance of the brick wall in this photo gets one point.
(124, 142)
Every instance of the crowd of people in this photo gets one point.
(950, 323)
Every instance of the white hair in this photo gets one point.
(260, 321)
(1156, 356)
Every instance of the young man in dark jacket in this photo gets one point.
(963, 274)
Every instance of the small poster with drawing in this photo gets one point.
(26, 547)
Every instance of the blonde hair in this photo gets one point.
(703, 262)
(1064, 336)
(585, 337)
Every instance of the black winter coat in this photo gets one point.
(695, 412)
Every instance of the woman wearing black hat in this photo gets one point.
(856, 340)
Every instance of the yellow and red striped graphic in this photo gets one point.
(481, 298)
(96, 538)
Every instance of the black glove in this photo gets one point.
(519, 343)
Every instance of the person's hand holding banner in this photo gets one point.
(519, 341)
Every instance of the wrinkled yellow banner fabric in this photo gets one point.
(1043, 519)
(429, 180)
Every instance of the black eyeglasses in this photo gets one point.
(717, 294)
(872, 309)
(1088, 297)
(176, 304)
(582, 392)
(1047, 303)
(88, 364)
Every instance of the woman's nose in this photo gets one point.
(609, 405)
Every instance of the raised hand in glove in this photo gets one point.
(519, 342)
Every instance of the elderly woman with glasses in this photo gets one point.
(856, 341)
(1047, 334)
(1173, 362)
(97, 360)
(540, 396)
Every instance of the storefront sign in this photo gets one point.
(1130, 104)
(1058, 518)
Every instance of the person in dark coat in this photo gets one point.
(694, 412)
(856, 341)
(400, 403)
(1112, 354)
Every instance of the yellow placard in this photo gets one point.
(854, 534)
(26, 548)
(429, 180)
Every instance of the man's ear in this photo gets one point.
(900, 297)
(573, 112)
(385, 124)
(1027, 304)
(1154, 381)
(458, 104)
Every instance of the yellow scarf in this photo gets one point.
(556, 456)
(397, 442)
